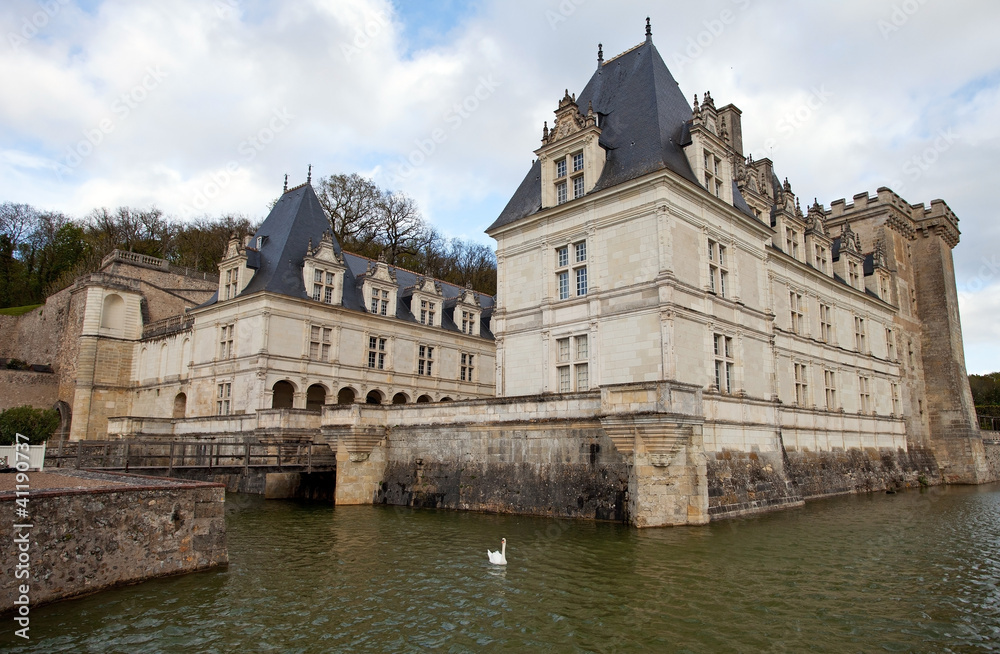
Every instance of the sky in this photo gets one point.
(202, 106)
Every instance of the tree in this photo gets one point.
(352, 204)
(401, 227)
(37, 424)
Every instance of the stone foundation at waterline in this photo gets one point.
(123, 530)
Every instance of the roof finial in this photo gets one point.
(286, 181)
(649, 30)
(309, 177)
(600, 55)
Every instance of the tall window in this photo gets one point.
(376, 352)
(467, 366)
(723, 349)
(864, 394)
(853, 273)
(323, 286)
(713, 178)
(222, 402)
(380, 302)
(226, 350)
(319, 343)
(894, 388)
(572, 368)
(801, 384)
(560, 168)
(468, 322)
(890, 345)
(427, 312)
(578, 269)
(718, 269)
(883, 285)
(791, 243)
(821, 258)
(577, 162)
(825, 323)
(578, 187)
(561, 196)
(795, 310)
(425, 360)
(830, 381)
(562, 279)
(231, 285)
(859, 335)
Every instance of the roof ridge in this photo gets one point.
(622, 54)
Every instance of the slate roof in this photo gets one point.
(297, 218)
(643, 118)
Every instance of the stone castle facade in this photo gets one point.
(675, 338)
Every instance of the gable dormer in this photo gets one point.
(427, 302)
(234, 271)
(571, 156)
(849, 261)
(789, 223)
(379, 288)
(468, 312)
(878, 278)
(819, 246)
(323, 271)
(709, 152)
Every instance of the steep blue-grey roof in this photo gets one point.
(298, 218)
(643, 118)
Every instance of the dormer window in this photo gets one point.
(468, 322)
(821, 258)
(380, 302)
(578, 187)
(323, 285)
(231, 283)
(577, 162)
(854, 273)
(792, 243)
(713, 177)
(561, 194)
(427, 312)
(560, 168)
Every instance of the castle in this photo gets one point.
(674, 337)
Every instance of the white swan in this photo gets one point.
(499, 558)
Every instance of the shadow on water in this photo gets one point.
(911, 571)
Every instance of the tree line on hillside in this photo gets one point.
(986, 393)
(44, 251)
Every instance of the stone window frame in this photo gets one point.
(894, 394)
(796, 312)
(800, 377)
(320, 342)
(572, 365)
(821, 258)
(428, 310)
(718, 267)
(724, 358)
(860, 335)
(324, 288)
(890, 344)
(864, 395)
(830, 389)
(227, 341)
(231, 282)
(467, 366)
(572, 257)
(224, 396)
(425, 359)
(827, 333)
(713, 173)
(378, 352)
(791, 242)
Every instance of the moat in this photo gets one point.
(915, 571)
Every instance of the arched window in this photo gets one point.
(315, 398)
(113, 312)
(180, 405)
(374, 397)
(445, 399)
(346, 395)
(283, 395)
(424, 399)
(399, 398)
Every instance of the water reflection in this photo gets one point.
(915, 571)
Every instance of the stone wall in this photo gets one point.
(751, 482)
(90, 539)
(992, 450)
(34, 337)
(525, 469)
(21, 387)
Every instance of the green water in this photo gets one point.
(913, 572)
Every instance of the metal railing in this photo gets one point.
(170, 455)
